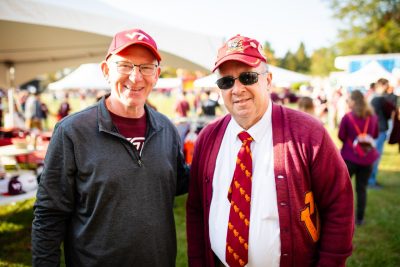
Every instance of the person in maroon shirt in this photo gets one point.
(359, 160)
(64, 109)
(182, 106)
(308, 186)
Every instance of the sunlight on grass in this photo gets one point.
(10, 227)
(11, 264)
(8, 208)
(16, 206)
(391, 162)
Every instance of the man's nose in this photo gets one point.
(135, 74)
(237, 87)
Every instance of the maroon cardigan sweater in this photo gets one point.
(314, 192)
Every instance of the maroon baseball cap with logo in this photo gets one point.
(126, 38)
(243, 49)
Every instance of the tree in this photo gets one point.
(374, 26)
(322, 61)
(270, 53)
(288, 61)
(302, 60)
(299, 61)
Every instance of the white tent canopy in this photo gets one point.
(366, 75)
(284, 78)
(206, 82)
(86, 76)
(169, 83)
(280, 77)
(39, 36)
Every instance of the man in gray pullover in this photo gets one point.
(112, 171)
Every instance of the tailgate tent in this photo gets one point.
(284, 78)
(367, 74)
(169, 83)
(40, 36)
(208, 82)
(85, 77)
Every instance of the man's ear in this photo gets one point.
(104, 69)
(158, 72)
(269, 78)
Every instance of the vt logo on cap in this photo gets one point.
(126, 38)
(134, 34)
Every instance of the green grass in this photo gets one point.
(377, 243)
(15, 234)
(180, 221)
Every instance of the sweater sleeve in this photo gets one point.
(54, 202)
(342, 134)
(334, 195)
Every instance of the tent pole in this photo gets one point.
(9, 122)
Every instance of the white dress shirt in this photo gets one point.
(264, 232)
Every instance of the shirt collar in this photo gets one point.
(258, 130)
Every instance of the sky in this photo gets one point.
(283, 23)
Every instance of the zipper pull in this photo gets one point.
(140, 162)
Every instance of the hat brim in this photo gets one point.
(248, 60)
(154, 51)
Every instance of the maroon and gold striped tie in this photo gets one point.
(239, 195)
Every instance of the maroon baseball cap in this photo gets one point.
(243, 49)
(126, 38)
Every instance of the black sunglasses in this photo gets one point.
(245, 78)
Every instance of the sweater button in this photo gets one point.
(207, 179)
(285, 254)
(283, 203)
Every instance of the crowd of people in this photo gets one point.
(366, 121)
(32, 113)
(380, 101)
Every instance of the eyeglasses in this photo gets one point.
(245, 78)
(126, 68)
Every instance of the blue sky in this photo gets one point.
(284, 23)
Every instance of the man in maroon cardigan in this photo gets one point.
(301, 198)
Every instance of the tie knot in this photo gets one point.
(245, 137)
